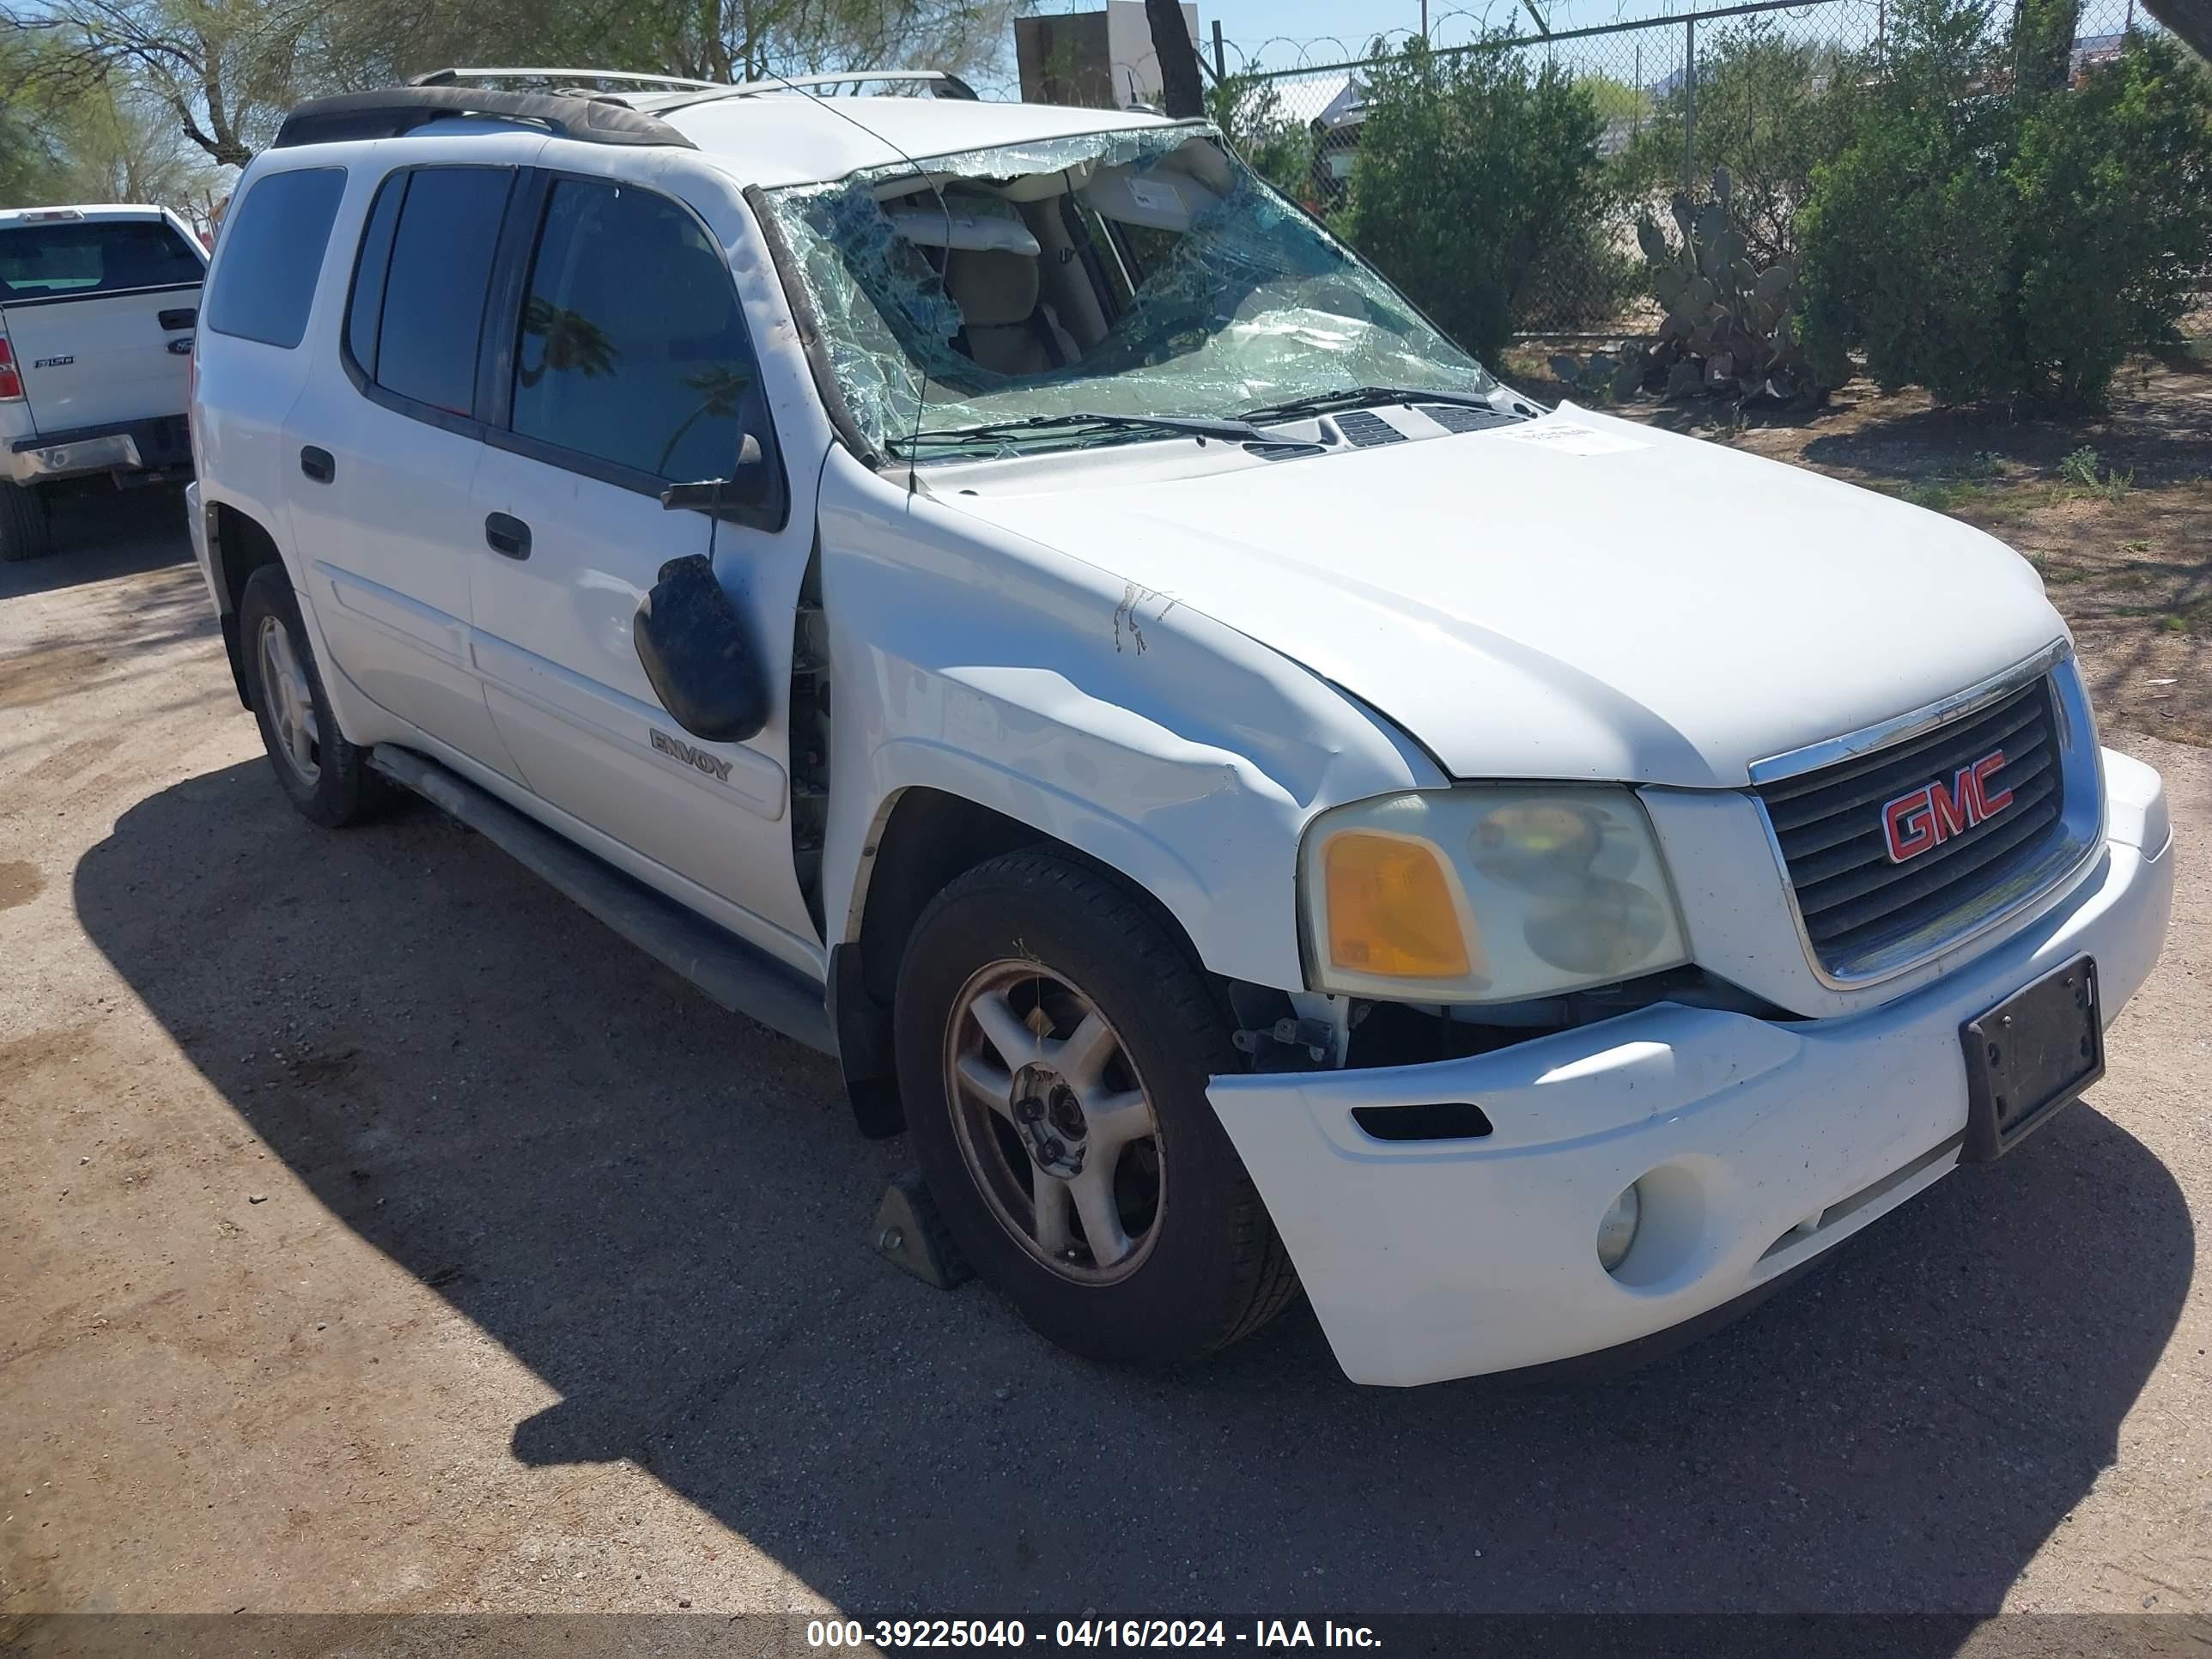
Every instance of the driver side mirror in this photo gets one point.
(693, 646)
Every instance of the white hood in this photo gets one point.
(1668, 611)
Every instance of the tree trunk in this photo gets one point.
(1171, 44)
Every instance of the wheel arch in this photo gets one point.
(924, 838)
(238, 545)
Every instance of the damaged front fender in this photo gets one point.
(1115, 720)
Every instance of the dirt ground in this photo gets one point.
(2121, 535)
(380, 1233)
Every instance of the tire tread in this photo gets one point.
(1263, 1281)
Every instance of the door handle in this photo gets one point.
(182, 317)
(505, 534)
(318, 465)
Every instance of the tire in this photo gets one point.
(1055, 940)
(321, 774)
(25, 532)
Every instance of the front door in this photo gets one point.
(633, 369)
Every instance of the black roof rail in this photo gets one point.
(390, 111)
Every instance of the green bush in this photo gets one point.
(1768, 110)
(1260, 127)
(1474, 174)
(1990, 235)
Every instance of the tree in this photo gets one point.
(1474, 174)
(1988, 235)
(1171, 44)
(1260, 127)
(1616, 100)
(1770, 110)
(224, 71)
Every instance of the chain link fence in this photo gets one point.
(1674, 95)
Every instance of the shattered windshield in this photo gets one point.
(1132, 273)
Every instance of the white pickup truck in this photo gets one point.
(998, 594)
(98, 306)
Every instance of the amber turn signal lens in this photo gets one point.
(1390, 909)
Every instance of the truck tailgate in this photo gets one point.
(104, 358)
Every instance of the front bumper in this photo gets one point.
(1760, 1144)
(129, 447)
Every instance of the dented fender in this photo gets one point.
(1111, 716)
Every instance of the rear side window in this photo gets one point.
(417, 315)
(74, 259)
(272, 251)
(633, 349)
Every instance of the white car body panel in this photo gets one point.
(1428, 1260)
(1530, 612)
(552, 632)
(1189, 764)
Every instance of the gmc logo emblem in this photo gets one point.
(1933, 813)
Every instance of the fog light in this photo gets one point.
(1617, 1230)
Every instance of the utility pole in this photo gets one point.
(1171, 44)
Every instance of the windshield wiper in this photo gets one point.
(1355, 396)
(1197, 426)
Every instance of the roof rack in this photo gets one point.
(393, 111)
(446, 77)
(943, 83)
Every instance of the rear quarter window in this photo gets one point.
(77, 258)
(271, 253)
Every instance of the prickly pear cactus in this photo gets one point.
(1725, 327)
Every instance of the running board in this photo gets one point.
(742, 979)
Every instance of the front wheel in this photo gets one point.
(1053, 1047)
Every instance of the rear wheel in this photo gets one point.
(324, 775)
(25, 532)
(1053, 1047)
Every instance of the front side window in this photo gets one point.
(1137, 272)
(272, 253)
(633, 348)
(75, 259)
(417, 316)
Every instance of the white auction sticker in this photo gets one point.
(1569, 438)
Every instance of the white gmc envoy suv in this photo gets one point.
(998, 594)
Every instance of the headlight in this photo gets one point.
(1489, 894)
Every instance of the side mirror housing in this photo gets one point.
(692, 644)
(753, 494)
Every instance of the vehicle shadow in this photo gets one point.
(100, 534)
(662, 1211)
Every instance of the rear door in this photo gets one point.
(99, 313)
(386, 454)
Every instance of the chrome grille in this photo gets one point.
(1855, 903)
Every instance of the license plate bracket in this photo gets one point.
(2028, 1057)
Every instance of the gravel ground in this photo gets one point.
(381, 1235)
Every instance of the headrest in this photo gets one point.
(992, 289)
